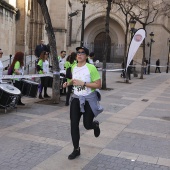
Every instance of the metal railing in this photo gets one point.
(29, 63)
(115, 52)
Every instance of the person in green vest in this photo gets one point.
(43, 68)
(70, 61)
(18, 69)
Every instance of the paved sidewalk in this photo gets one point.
(135, 131)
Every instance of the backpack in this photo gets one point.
(10, 70)
(68, 73)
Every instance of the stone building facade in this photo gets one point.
(27, 28)
(7, 27)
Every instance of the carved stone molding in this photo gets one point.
(60, 30)
(7, 6)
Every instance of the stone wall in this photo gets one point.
(7, 28)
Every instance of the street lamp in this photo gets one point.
(168, 57)
(150, 45)
(84, 2)
(132, 23)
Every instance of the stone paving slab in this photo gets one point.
(145, 88)
(162, 106)
(164, 99)
(114, 100)
(114, 96)
(137, 91)
(35, 109)
(39, 139)
(150, 126)
(141, 144)
(88, 153)
(133, 95)
(155, 113)
(11, 119)
(165, 94)
(17, 154)
(104, 116)
(49, 129)
(167, 91)
(124, 121)
(112, 107)
(147, 133)
(64, 115)
(101, 162)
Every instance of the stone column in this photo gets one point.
(36, 26)
(59, 16)
(20, 26)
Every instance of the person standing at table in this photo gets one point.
(84, 100)
(18, 69)
(62, 59)
(43, 68)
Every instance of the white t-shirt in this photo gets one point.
(21, 70)
(90, 60)
(61, 62)
(46, 66)
(1, 71)
(87, 73)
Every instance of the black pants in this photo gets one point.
(68, 94)
(75, 116)
(123, 74)
(18, 84)
(44, 84)
(157, 68)
(129, 71)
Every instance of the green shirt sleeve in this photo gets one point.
(74, 63)
(93, 72)
(17, 65)
(40, 63)
(67, 65)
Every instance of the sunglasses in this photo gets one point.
(81, 53)
(1, 53)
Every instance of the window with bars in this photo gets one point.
(11, 15)
(1, 10)
(6, 13)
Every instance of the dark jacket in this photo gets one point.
(158, 62)
(39, 49)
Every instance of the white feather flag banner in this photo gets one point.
(135, 44)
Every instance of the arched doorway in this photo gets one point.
(99, 47)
